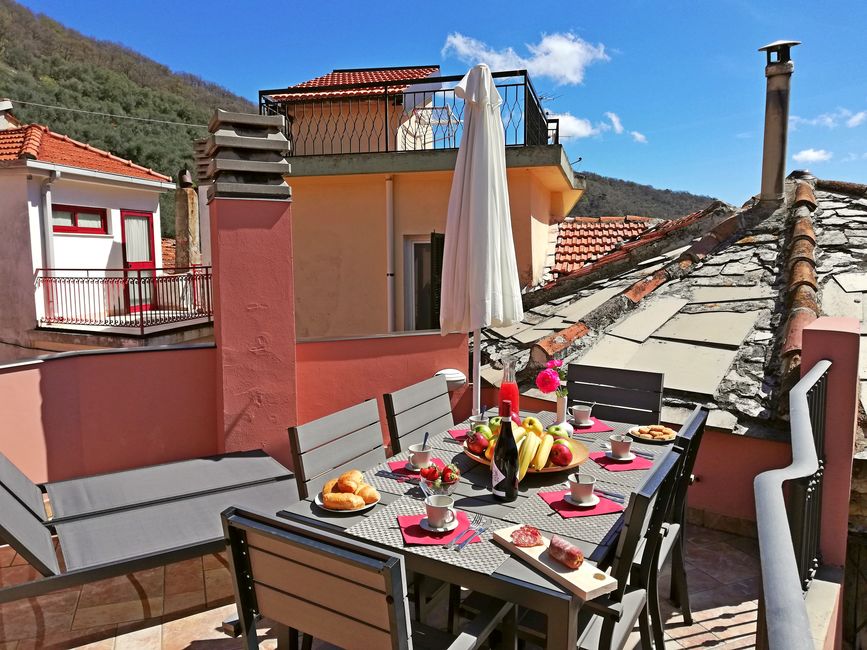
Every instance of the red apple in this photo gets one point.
(561, 453)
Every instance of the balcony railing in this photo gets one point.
(789, 528)
(414, 115)
(127, 299)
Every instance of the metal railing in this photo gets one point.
(407, 115)
(788, 528)
(124, 298)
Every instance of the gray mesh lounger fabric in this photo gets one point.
(132, 488)
(153, 529)
(21, 487)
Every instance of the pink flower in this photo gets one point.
(554, 363)
(548, 380)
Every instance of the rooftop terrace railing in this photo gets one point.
(126, 299)
(413, 115)
(788, 528)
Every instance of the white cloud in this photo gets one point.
(812, 156)
(638, 137)
(744, 135)
(616, 124)
(562, 57)
(857, 119)
(577, 127)
(851, 157)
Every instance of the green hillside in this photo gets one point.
(614, 197)
(44, 62)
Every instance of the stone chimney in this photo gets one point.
(188, 247)
(778, 71)
(7, 120)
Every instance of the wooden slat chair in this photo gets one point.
(331, 588)
(413, 410)
(633, 396)
(327, 447)
(606, 623)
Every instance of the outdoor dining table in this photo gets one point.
(486, 567)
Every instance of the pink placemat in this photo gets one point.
(598, 426)
(414, 534)
(611, 465)
(399, 467)
(459, 434)
(567, 510)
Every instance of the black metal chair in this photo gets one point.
(113, 524)
(331, 588)
(633, 396)
(413, 410)
(325, 448)
(607, 622)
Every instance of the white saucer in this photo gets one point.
(409, 467)
(445, 529)
(583, 425)
(589, 504)
(620, 459)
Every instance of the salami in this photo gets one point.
(565, 553)
(527, 536)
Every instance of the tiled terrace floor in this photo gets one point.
(723, 583)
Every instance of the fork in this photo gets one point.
(476, 521)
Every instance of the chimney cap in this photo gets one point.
(5, 104)
(778, 45)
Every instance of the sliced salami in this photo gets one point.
(527, 536)
(565, 553)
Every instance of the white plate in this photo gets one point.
(620, 459)
(367, 506)
(594, 501)
(445, 529)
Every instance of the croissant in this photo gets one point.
(338, 501)
(368, 493)
(350, 481)
(329, 486)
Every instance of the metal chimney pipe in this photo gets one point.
(778, 71)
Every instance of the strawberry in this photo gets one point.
(451, 474)
(430, 473)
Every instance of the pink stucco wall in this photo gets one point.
(81, 414)
(335, 374)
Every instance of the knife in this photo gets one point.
(473, 535)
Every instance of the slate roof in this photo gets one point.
(37, 142)
(357, 76)
(720, 315)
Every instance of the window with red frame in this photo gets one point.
(69, 218)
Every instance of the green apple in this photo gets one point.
(558, 432)
(484, 430)
(495, 423)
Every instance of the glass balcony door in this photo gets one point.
(138, 258)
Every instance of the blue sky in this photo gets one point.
(683, 80)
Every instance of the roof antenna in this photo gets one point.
(575, 162)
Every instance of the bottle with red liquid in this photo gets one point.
(509, 389)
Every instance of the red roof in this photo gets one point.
(358, 76)
(37, 142)
(583, 239)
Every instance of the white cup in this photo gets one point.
(440, 510)
(419, 457)
(581, 487)
(581, 413)
(620, 445)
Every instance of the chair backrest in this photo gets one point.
(411, 411)
(336, 590)
(632, 396)
(21, 487)
(24, 532)
(329, 446)
(687, 442)
(643, 520)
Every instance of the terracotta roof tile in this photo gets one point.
(350, 77)
(804, 195)
(583, 239)
(38, 142)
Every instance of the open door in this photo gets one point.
(137, 230)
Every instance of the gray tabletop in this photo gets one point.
(487, 562)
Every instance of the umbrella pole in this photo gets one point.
(477, 363)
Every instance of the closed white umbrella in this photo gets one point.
(480, 275)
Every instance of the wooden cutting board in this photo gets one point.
(586, 582)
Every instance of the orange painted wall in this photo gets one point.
(84, 414)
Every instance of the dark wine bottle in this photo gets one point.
(504, 464)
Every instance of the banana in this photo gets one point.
(528, 452)
(541, 458)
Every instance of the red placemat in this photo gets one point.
(618, 465)
(399, 467)
(598, 426)
(567, 510)
(414, 534)
(459, 434)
